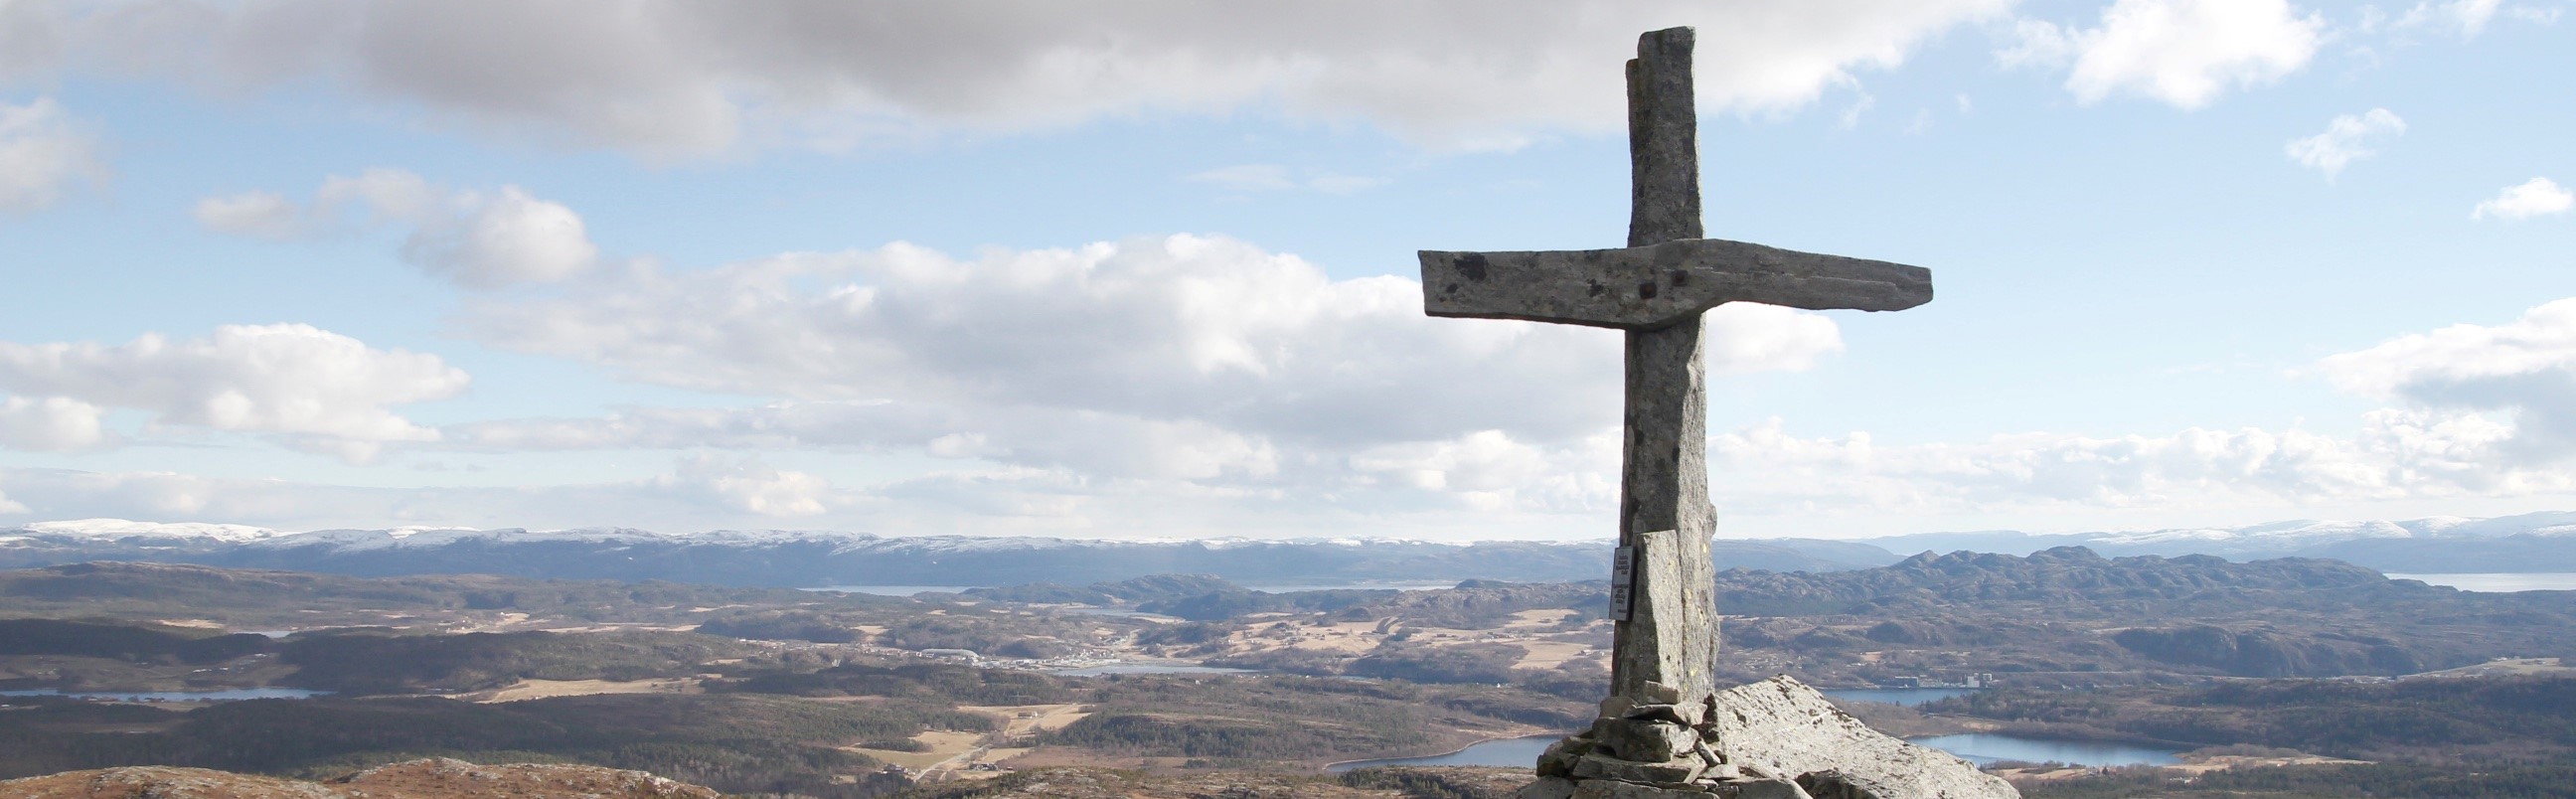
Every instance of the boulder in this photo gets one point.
(1782, 727)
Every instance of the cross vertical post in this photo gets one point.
(1670, 635)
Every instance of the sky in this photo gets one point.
(1145, 269)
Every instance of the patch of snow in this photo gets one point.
(111, 529)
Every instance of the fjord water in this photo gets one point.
(1497, 752)
(896, 590)
(1149, 668)
(1909, 697)
(225, 695)
(1983, 748)
(1978, 748)
(2498, 583)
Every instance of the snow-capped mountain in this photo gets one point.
(2538, 542)
(2531, 542)
(813, 558)
(120, 529)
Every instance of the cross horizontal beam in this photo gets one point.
(1643, 288)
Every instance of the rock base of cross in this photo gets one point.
(1774, 739)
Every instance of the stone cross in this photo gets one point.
(1655, 290)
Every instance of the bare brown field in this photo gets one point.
(543, 689)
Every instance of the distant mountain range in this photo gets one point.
(2538, 542)
(815, 559)
(2532, 542)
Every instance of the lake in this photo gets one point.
(896, 590)
(1419, 585)
(2498, 583)
(1120, 612)
(909, 590)
(176, 696)
(1909, 697)
(1978, 748)
(1982, 748)
(1148, 668)
(1500, 752)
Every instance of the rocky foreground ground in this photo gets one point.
(455, 779)
(419, 779)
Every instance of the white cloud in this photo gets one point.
(1170, 329)
(1273, 177)
(478, 239)
(2542, 341)
(2182, 52)
(692, 497)
(503, 238)
(43, 154)
(2347, 138)
(64, 493)
(2536, 15)
(1160, 366)
(1091, 442)
(2534, 197)
(1332, 183)
(749, 486)
(698, 493)
(1247, 177)
(259, 214)
(668, 77)
(52, 424)
(29, 38)
(1852, 113)
(2399, 454)
(2477, 411)
(310, 387)
(2467, 17)
(1488, 471)
(2524, 369)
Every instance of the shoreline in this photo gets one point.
(1328, 767)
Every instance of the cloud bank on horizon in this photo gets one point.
(1130, 380)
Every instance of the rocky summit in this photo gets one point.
(1774, 739)
(441, 778)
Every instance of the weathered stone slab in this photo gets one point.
(1760, 789)
(1605, 789)
(1668, 649)
(1559, 758)
(1646, 740)
(1653, 692)
(1546, 788)
(1617, 707)
(1687, 714)
(1782, 727)
(1598, 766)
(1641, 288)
